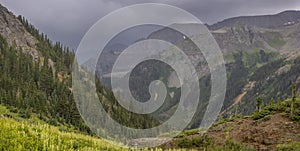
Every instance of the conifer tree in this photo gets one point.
(293, 98)
(258, 103)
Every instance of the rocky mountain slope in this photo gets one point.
(285, 18)
(277, 33)
(251, 45)
(255, 48)
(15, 33)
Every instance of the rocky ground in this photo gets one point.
(263, 135)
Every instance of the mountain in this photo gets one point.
(270, 32)
(282, 19)
(35, 73)
(253, 46)
(268, 50)
(261, 54)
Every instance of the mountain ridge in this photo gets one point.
(264, 21)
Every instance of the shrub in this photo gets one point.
(261, 114)
(184, 143)
(232, 145)
(195, 142)
(25, 113)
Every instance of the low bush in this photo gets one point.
(259, 115)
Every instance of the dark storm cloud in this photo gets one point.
(62, 20)
(211, 11)
(68, 20)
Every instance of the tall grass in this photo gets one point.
(26, 135)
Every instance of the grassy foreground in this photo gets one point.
(26, 135)
(18, 134)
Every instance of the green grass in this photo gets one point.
(276, 41)
(254, 58)
(17, 133)
(3, 110)
(206, 143)
(32, 135)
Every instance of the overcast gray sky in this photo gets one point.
(68, 20)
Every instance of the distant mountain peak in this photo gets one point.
(264, 21)
(289, 11)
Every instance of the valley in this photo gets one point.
(261, 110)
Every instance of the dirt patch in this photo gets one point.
(239, 98)
(60, 77)
(145, 142)
(259, 134)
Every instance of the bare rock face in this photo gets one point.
(283, 69)
(16, 35)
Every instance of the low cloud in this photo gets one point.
(68, 20)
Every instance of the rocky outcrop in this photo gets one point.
(18, 37)
(15, 33)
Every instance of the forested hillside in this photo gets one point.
(33, 86)
(41, 82)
